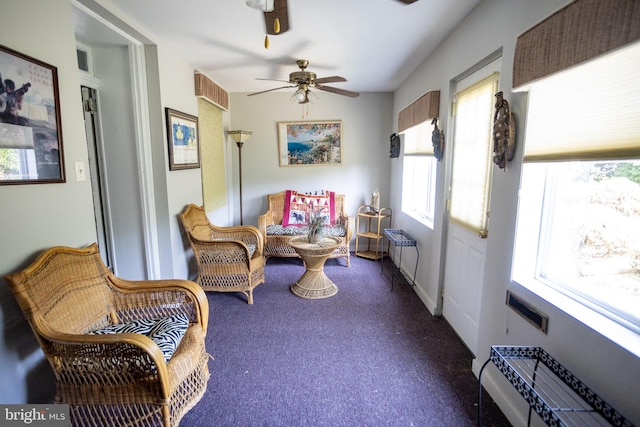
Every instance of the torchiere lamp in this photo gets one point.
(240, 136)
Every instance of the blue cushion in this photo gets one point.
(167, 332)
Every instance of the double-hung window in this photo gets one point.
(578, 228)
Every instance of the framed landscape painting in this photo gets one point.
(30, 126)
(310, 143)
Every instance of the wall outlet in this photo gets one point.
(80, 172)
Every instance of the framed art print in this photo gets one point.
(310, 143)
(30, 127)
(184, 140)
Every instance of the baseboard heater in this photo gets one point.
(527, 311)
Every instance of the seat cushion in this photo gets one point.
(337, 230)
(167, 332)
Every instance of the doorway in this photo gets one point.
(469, 190)
(119, 144)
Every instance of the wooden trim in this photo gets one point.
(209, 90)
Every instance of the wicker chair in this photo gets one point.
(121, 378)
(229, 259)
(277, 245)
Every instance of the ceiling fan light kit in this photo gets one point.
(304, 80)
(261, 5)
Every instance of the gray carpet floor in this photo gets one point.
(368, 356)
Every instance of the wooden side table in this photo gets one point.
(314, 283)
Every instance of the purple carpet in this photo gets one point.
(367, 356)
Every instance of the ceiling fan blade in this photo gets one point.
(274, 80)
(408, 1)
(332, 79)
(280, 11)
(271, 90)
(338, 91)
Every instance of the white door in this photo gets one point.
(464, 269)
(469, 185)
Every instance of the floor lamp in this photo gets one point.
(240, 136)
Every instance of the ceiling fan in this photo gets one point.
(305, 80)
(277, 19)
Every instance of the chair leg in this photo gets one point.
(249, 297)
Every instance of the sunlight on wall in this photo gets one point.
(214, 187)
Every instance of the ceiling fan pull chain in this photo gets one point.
(266, 41)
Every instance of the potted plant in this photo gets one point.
(316, 225)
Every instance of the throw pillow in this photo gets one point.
(298, 207)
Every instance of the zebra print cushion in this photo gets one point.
(338, 230)
(167, 332)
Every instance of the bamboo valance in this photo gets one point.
(576, 33)
(422, 109)
(209, 90)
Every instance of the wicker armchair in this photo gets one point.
(277, 244)
(229, 259)
(121, 378)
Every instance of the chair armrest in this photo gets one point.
(161, 298)
(349, 223)
(265, 220)
(245, 233)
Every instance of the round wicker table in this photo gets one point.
(314, 284)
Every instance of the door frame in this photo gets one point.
(139, 98)
(446, 230)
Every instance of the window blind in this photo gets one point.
(591, 111)
(417, 139)
(472, 148)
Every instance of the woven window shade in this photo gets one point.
(422, 109)
(580, 31)
(209, 90)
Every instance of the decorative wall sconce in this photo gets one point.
(437, 139)
(504, 133)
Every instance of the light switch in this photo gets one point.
(80, 172)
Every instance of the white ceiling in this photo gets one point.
(374, 44)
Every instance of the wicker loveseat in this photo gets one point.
(89, 324)
(277, 230)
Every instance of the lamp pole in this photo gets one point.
(240, 136)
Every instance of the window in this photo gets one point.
(472, 159)
(579, 210)
(419, 174)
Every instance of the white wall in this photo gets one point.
(610, 370)
(366, 125)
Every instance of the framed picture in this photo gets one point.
(184, 140)
(310, 143)
(30, 126)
